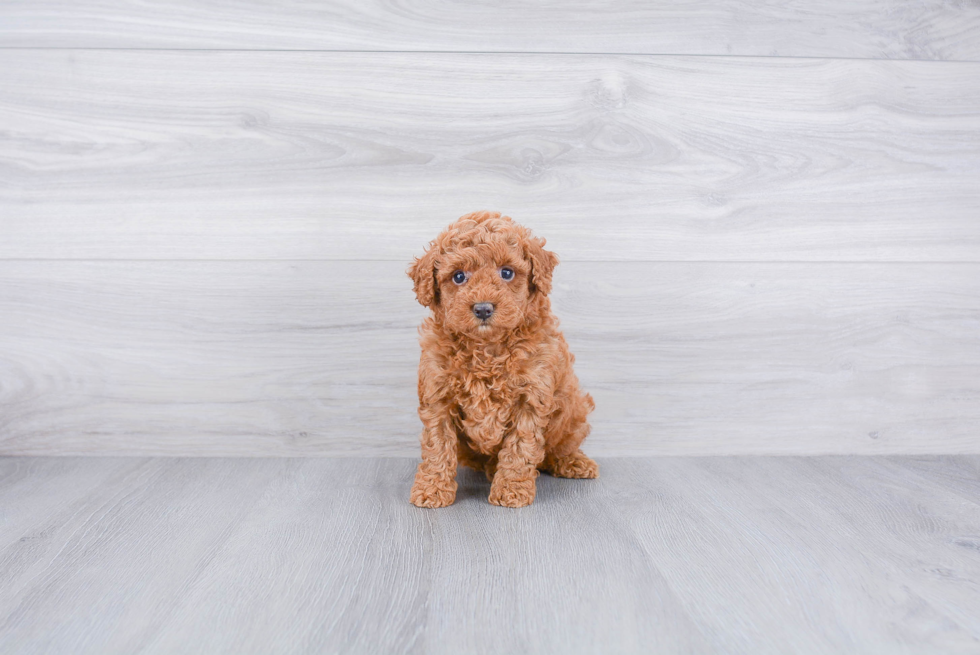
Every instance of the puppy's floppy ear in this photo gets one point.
(423, 274)
(542, 262)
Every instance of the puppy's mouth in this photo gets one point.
(485, 326)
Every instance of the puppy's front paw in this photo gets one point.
(512, 493)
(433, 493)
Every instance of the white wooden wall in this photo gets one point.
(768, 217)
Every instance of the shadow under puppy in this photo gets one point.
(496, 387)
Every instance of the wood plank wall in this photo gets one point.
(768, 217)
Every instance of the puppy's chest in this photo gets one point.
(481, 399)
(485, 401)
(484, 411)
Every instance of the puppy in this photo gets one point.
(496, 387)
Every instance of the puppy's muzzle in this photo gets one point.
(483, 310)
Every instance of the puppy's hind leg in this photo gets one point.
(566, 459)
(577, 465)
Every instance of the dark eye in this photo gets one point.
(459, 277)
(507, 273)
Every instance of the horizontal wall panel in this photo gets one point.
(285, 155)
(830, 28)
(317, 358)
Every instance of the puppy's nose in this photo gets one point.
(483, 310)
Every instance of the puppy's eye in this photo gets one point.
(507, 273)
(459, 277)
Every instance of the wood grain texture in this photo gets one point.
(929, 29)
(680, 555)
(319, 358)
(285, 155)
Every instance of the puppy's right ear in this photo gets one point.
(423, 274)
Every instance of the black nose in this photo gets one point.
(483, 310)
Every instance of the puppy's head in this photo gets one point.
(484, 276)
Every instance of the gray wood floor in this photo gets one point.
(728, 555)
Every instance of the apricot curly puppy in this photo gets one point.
(496, 387)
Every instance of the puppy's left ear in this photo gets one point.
(423, 274)
(542, 262)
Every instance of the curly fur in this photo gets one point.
(498, 395)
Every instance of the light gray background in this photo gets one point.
(768, 217)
